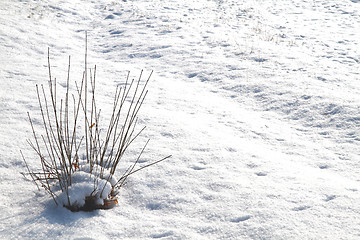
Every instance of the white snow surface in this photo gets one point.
(257, 101)
(98, 184)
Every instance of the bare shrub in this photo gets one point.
(78, 154)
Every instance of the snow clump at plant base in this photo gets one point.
(82, 187)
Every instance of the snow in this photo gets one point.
(257, 101)
(82, 186)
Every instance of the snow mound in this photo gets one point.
(89, 190)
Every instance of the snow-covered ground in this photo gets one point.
(257, 101)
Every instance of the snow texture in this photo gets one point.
(83, 184)
(257, 101)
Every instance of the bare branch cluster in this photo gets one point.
(72, 125)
